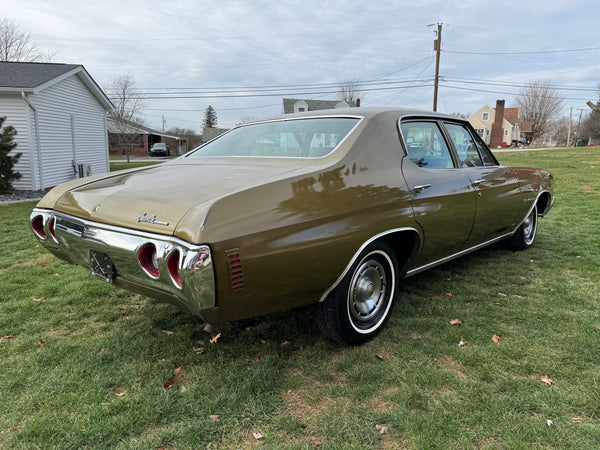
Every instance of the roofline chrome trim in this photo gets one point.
(359, 251)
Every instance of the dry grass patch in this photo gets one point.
(452, 366)
(42, 260)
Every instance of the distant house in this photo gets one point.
(59, 113)
(500, 125)
(209, 133)
(142, 138)
(295, 105)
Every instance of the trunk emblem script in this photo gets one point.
(143, 217)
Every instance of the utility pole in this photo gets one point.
(569, 132)
(437, 46)
(579, 123)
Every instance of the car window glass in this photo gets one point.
(297, 138)
(466, 148)
(425, 145)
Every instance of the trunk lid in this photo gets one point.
(156, 198)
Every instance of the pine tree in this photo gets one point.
(7, 175)
(210, 118)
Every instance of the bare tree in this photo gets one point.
(193, 139)
(590, 127)
(128, 105)
(16, 45)
(349, 91)
(539, 103)
(246, 119)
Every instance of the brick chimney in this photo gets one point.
(497, 133)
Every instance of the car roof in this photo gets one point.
(366, 112)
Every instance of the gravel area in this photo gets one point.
(22, 196)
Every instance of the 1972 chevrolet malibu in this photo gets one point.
(332, 207)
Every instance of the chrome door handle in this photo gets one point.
(477, 182)
(419, 188)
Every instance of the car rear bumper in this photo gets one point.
(184, 274)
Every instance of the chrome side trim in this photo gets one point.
(357, 254)
(454, 256)
(75, 237)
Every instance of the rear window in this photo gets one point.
(297, 138)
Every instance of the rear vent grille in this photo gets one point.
(236, 275)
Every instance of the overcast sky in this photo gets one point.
(242, 57)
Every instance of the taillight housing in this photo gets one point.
(37, 224)
(173, 265)
(148, 258)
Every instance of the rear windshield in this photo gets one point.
(297, 138)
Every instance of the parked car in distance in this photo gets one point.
(331, 207)
(160, 149)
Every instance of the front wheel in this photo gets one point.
(361, 304)
(525, 234)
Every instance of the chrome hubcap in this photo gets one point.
(529, 227)
(368, 290)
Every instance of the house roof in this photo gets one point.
(133, 127)
(30, 75)
(313, 105)
(512, 115)
(33, 77)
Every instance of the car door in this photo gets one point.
(499, 205)
(443, 199)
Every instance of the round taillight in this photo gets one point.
(149, 260)
(173, 265)
(52, 229)
(37, 224)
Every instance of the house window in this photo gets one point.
(480, 131)
(505, 132)
(485, 116)
(301, 109)
(487, 132)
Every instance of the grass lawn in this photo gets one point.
(84, 365)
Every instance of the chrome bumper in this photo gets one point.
(72, 239)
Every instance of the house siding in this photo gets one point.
(71, 127)
(14, 108)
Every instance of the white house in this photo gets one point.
(59, 113)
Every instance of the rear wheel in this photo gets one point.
(525, 234)
(361, 304)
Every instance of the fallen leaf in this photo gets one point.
(285, 342)
(199, 350)
(215, 338)
(498, 304)
(262, 341)
(317, 444)
(168, 333)
(169, 384)
(136, 307)
(16, 428)
(100, 350)
(416, 336)
(457, 322)
(381, 429)
(549, 423)
(121, 392)
(39, 299)
(380, 357)
(257, 436)
(547, 381)
(497, 339)
(448, 294)
(10, 336)
(178, 370)
(434, 360)
(520, 297)
(214, 417)
(42, 342)
(124, 317)
(578, 257)
(522, 278)
(576, 420)
(502, 295)
(462, 342)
